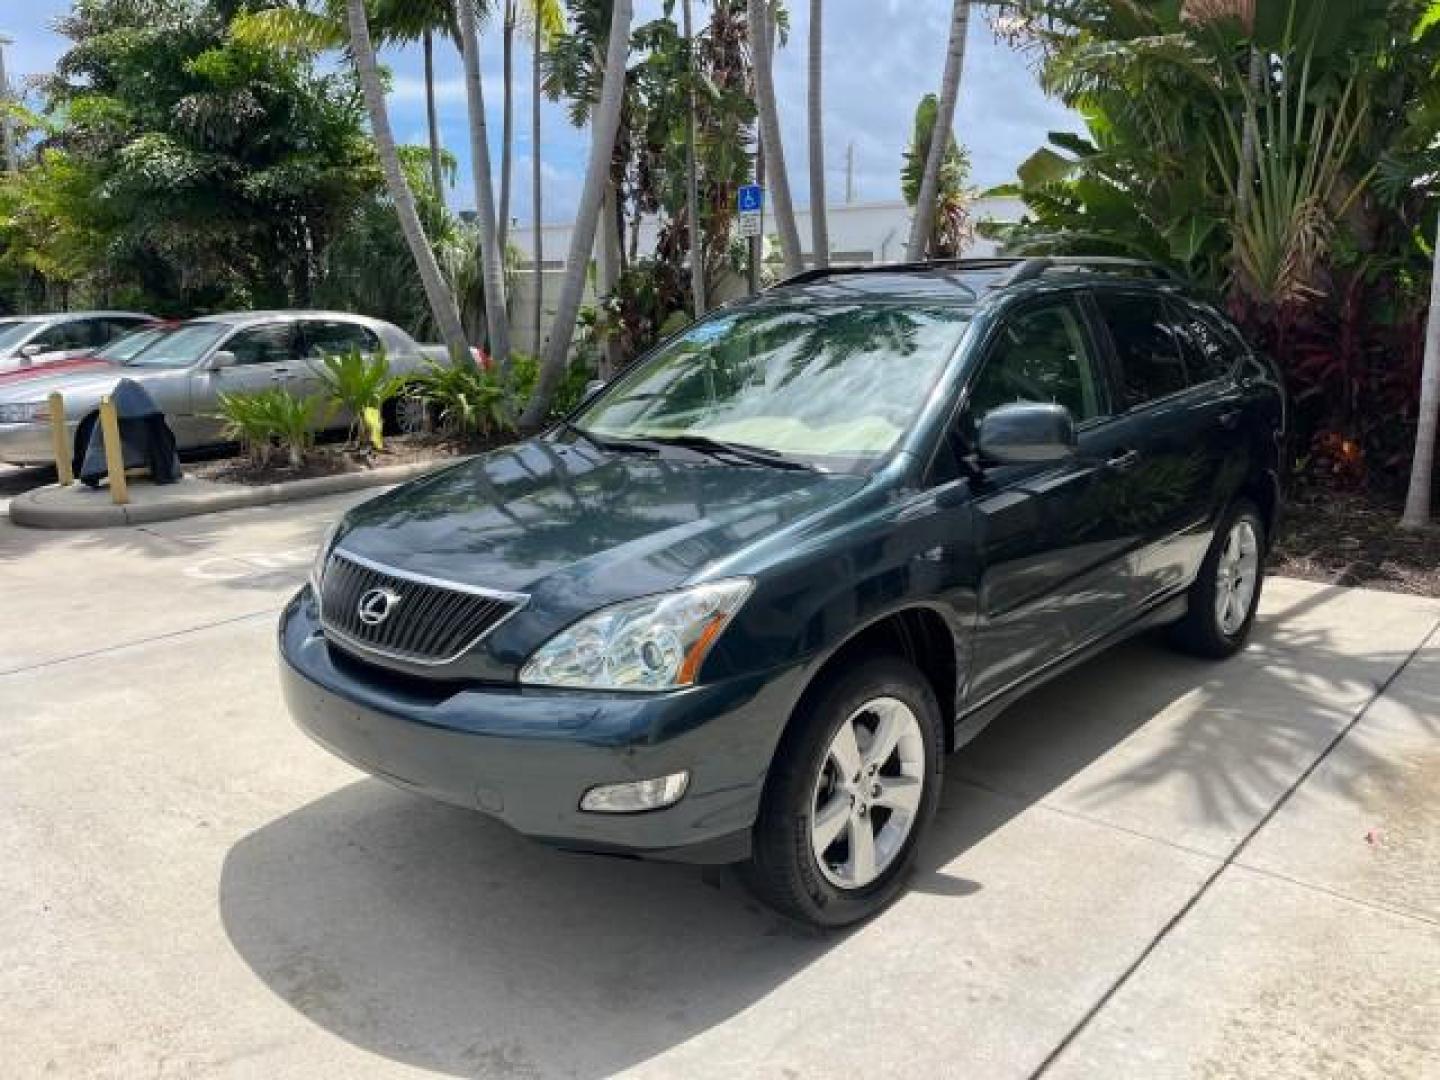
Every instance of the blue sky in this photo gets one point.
(881, 56)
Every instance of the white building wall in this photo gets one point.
(859, 233)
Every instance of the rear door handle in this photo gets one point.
(1123, 459)
(1229, 419)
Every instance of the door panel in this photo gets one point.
(1054, 571)
(265, 358)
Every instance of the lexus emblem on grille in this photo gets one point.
(376, 605)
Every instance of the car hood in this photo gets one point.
(576, 528)
(28, 375)
(82, 384)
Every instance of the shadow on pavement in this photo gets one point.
(437, 938)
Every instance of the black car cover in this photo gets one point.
(146, 438)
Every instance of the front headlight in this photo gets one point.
(26, 412)
(322, 556)
(657, 643)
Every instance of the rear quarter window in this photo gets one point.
(1148, 346)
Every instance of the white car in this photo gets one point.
(187, 367)
(27, 340)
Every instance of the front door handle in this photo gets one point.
(1229, 419)
(1123, 459)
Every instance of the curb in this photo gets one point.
(30, 511)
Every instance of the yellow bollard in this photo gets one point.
(114, 452)
(64, 470)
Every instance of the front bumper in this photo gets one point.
(527, 755)
(29, 444)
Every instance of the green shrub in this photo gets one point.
(361, 386)
(259, 421)
(470, 401)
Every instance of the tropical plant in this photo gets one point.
(951, 229)
(922, 229)
(441, 299)
(262, 419)
(471, 401)
(605, 125)
(819, 226)
(195, 170)
(361, 386)
(762, 33)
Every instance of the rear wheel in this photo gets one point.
(82, 443)
(1226, 592)
(853, 787)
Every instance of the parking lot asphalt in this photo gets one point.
(1154, 867)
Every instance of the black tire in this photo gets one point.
(82, 443)
(1201, 632)
(783, 870)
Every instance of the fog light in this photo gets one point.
(637, 795)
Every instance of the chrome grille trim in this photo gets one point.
(441, 623)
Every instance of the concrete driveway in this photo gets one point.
(1154, 867)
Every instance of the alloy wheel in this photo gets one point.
(1236, 577)
(868, 793)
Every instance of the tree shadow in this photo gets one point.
(438, 938)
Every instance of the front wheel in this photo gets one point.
(854, 785)
(1226, 592)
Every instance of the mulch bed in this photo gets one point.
(332, 460)
(1351, 539)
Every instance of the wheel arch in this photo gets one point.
(919, 634)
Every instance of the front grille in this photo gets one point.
(410, 616)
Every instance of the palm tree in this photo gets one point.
(507, 117)
(548, 19)
(692, 178)
(762, 33)
(437, 178)
(442, 301)
(922, 224)
(819, 227)
(605, 125)
(1422, 467)
(497, 319)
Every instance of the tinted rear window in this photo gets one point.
(1148, 345)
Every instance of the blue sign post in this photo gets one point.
(750, 199)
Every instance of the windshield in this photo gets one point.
(14, 331)
(179, 348)
(836, 384)
(123, 348)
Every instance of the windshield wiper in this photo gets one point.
(609, 443)
(756, 455)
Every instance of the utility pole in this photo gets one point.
(850, 173)
(7, 134)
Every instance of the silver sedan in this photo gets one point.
(188, 368)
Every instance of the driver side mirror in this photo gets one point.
(1027, 433)
(32, 350)
(222, 359)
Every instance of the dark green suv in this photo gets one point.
(742, 603)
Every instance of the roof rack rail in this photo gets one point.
(818, 273)
(1030, 269)
(1021, 269)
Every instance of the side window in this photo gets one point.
(1213, 351)
(112, 328)
(1042, 355)
(1152, 359)
(73, 334)
(331, 338)
(262, 344)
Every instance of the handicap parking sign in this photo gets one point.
(751, 199)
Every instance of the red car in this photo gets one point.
(114, 352)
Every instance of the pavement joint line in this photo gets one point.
(168, 635)
(1336, 894)
(1078, 1028)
